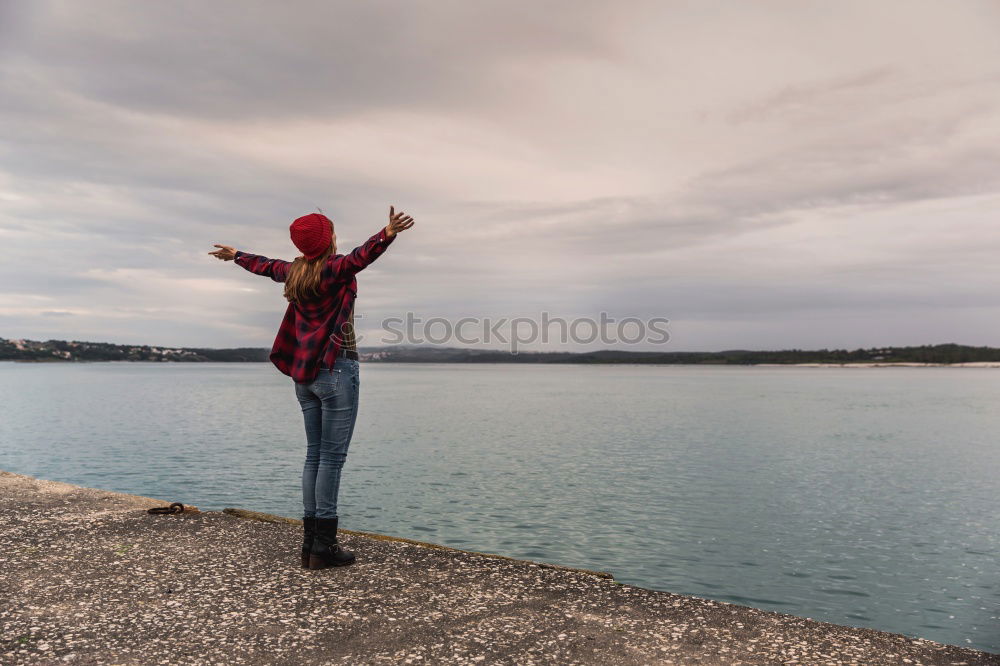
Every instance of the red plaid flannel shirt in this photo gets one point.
(311, 333)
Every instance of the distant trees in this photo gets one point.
(75, 350)
(61, 350)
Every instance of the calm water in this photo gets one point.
(866, 497)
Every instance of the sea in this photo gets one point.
(867, 497)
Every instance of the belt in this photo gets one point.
(345, 353)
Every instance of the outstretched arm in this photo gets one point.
(344, 266)
(276, 269)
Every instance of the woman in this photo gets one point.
(316, 347)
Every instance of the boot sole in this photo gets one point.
(319, 563)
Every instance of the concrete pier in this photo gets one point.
(87, 576)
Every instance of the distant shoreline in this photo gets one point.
(940, 355)
(976, 364)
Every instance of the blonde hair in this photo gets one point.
(304, 277)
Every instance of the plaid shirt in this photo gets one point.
(311, 333)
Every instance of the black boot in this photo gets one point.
(326, 552)
(308, 533)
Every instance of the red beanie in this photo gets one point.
(312, 234)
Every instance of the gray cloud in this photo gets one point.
(258, 60)
(746, 171)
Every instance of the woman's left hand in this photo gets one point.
(226, 253)
(397, 222)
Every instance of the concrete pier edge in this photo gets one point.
(272, 518)
(89, 577)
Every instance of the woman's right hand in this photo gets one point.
(397, 222)
(226, 253)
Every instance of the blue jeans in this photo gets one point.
(330, 407)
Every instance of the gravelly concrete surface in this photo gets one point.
(88, 577)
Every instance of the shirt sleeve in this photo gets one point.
(276, 269)
(345, 266)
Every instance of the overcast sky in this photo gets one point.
(764, 175)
